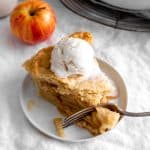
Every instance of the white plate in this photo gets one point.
(43, 113)
(130, 4)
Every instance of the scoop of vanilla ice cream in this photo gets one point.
(74, 56)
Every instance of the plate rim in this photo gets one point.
(125, 8)
(35, 125)
(115, 7)
(115, 19)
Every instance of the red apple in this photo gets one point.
(33, 21)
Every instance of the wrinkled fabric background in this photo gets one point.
(128, 52)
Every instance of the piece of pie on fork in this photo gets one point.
(72, 94)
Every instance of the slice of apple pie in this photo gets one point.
(68, 75)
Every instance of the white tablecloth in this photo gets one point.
(128, 52)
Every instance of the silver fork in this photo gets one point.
(84, 112)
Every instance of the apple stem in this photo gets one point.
(33, 12)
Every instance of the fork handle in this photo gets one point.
(131, 114)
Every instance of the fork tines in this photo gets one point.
(77, 116)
